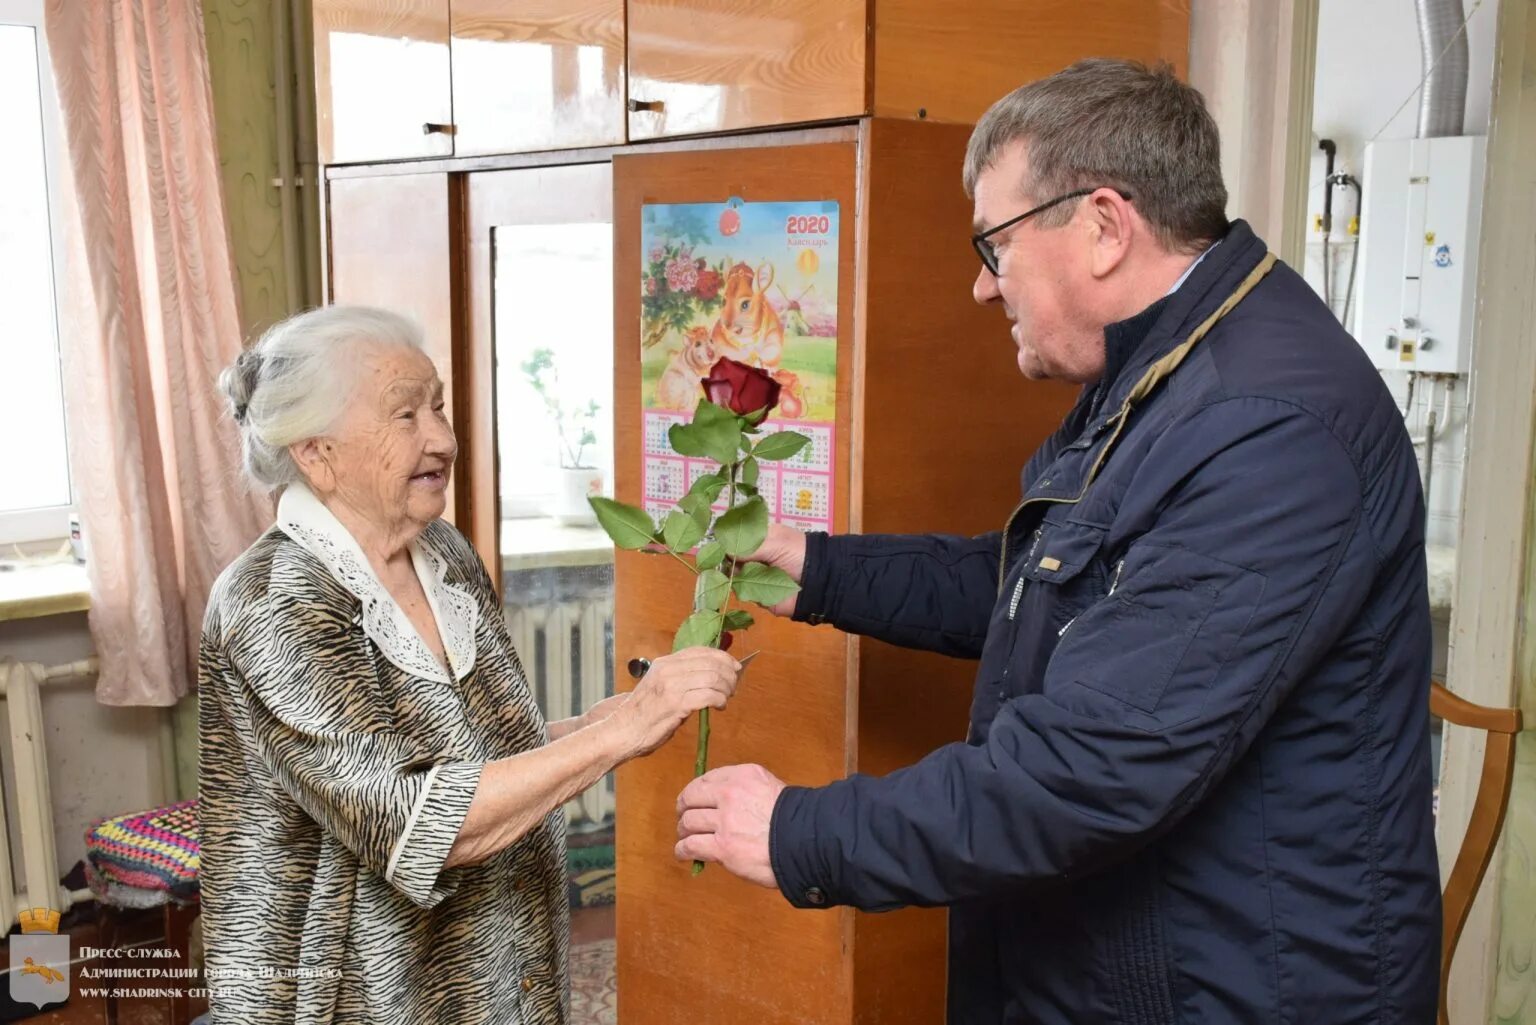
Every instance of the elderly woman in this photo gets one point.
(381, 824)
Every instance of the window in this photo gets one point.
(35, 493)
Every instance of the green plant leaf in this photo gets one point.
(711, 591)
(738, 619)
(710, 555)
(713, 439)
(629, 527)
(749, 468)
(749, 490)
(706, 412)
(709, 485)
(763, 585)
(783, 445)
(681, 531)
(702, 629)
(756, 417)
(741, 530)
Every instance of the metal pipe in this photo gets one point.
(287, 168)
(1443, 53)
(302, 101)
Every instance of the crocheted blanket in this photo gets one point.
(145, 858)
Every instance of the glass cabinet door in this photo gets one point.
(540, 367)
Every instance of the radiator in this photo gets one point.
(33, 849)
(566, 650)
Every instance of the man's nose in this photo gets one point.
(985, 289)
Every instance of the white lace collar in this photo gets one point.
(304, 518)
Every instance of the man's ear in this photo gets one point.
(1112, 223)
(313, 456)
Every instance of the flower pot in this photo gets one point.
(576, 485)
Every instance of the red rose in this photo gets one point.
(708, 285)
(740, 388)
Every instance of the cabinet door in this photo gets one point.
(713, 949)
(393, 243)
(381, 80)
(537, 74)
(714, 65)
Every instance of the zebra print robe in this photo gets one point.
(338, 760)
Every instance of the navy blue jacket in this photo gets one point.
(1196, 787)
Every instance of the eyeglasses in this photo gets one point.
(983, 241)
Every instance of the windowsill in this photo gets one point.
(542, 543)
(30, 592)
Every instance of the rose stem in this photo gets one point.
(701, 754)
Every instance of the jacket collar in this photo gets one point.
(306, 520)
(1133, 345)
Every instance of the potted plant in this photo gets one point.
(579, 479)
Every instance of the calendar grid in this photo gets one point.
(799, 492)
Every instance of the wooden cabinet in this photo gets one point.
(950, 61)
(403, 79)
(923, 373)
(537, 74)
(382, 80)
(699, 66)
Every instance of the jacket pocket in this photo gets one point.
(1061, 575)
(1155, 646)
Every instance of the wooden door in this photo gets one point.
(537, 74)
(395, 242)
(951, 61)
(382, 89)
(700, 66)
(711, 948)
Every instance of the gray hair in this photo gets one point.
(1115, 123)
(293, 384)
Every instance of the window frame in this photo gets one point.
(46, 523)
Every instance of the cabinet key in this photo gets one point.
(635, 106)
(436, 128)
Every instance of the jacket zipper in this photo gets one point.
(1018, 588)
(1114, 583)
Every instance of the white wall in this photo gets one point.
(101, 760)
(1368, 64)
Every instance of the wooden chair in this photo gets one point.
(1487, 820)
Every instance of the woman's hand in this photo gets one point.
(675, 687)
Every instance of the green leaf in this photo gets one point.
(709, 485)
(714, 439)
(756, 417)
(749, 468)
(738, 619)
(783, 445)
(629, 527)
(706, 412)
(763, 585)
(710, 555)
(711, 591)
(749, 490)
(681, 531)
(742, 529)
(702, 629)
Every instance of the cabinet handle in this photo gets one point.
(635, 106)
(436, 128)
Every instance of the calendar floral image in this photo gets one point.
(756, 283)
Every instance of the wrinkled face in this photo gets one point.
(1043, 280)
(391, 454)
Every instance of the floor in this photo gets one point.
(593, 991)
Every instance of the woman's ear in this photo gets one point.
(313, 457)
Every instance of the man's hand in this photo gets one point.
(723, 816)
(783, 548)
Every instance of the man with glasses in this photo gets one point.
(1196, 786)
